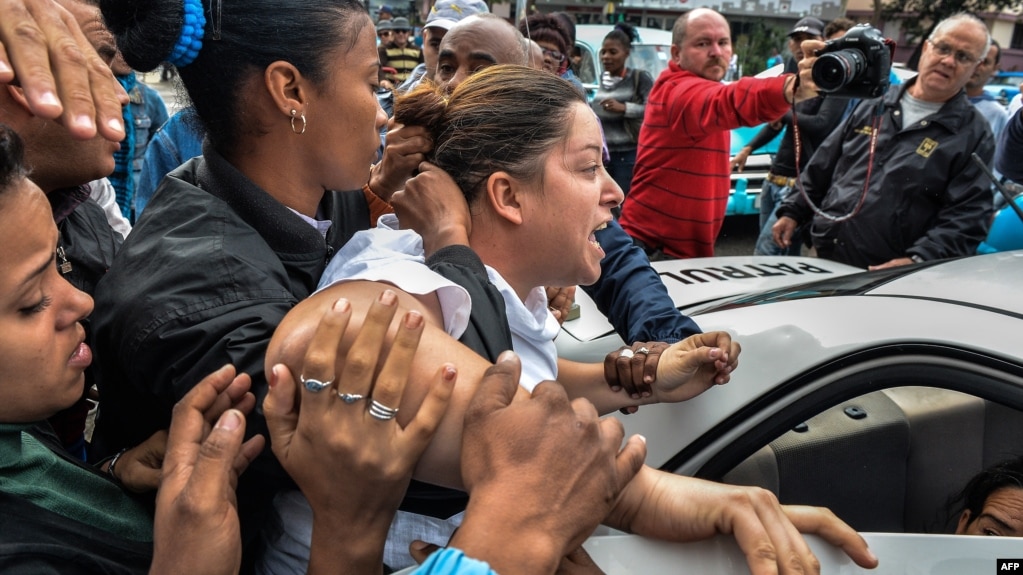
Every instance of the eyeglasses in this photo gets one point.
(554, 55)
(943, 50)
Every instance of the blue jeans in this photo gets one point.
(771, 196)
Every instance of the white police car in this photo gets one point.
(876, 394)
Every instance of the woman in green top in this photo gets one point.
(60, 515)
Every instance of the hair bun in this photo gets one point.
(629, 30)
(425, 106)
(146, 30)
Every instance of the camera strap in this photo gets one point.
(875, 129)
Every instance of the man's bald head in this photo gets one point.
(477, 42)
(702, 43)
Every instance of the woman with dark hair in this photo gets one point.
(231, 240)
(59, 514)
(553, 36)
(620, 102)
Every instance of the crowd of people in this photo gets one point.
(315, 355)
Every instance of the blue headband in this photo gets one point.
(190, 42)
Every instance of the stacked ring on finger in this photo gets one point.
(643, 350)
(381, 411)
(626, 353)
(315, 385)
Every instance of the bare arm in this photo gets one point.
(440, 462)
(685, 370)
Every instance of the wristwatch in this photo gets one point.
(916, 259)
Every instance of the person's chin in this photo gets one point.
(74, 388)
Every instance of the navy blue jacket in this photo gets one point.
(631, 294)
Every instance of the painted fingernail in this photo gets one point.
(413, 319)
(641, 437)
(388, 297)
(506, 356)
(274, 376)
(449, 372)
(115, 124)
(4, 68)
(342, 305)
(230, 421)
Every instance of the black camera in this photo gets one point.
(856, 65)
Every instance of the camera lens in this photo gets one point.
(832, 71)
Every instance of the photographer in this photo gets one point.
(896, 183)
(816, 118)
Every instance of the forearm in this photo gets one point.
(587, 380)
(335, 542)
(763, 137)
(665, 506)
(509, 543)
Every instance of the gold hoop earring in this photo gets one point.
(301, 117)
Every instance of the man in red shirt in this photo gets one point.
(680, 185)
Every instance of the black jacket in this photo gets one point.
(817, 118)
(926, 196)
(206, 275)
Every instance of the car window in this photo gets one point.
(653, 59)
(903, 436)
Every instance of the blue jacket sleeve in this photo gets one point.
(631, 294)
(1011, 146)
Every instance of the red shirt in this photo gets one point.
(681, 181)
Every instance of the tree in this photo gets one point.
(754, 44)
(925, 15)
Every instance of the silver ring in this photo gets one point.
(626, 353)
(381, 411)
(350, 398)
(643, 350)
(314, 385)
